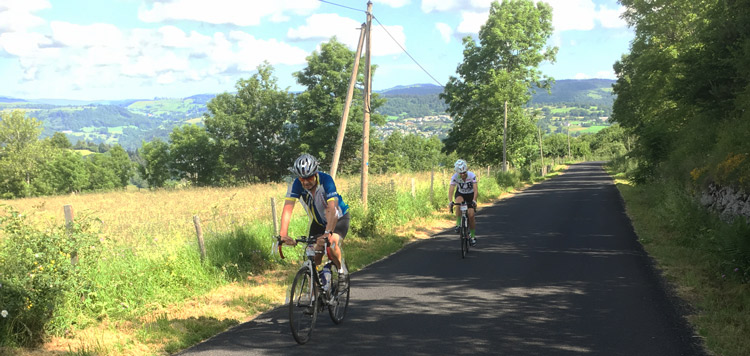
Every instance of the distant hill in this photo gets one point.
(130, 121)
(416, 100)
(5, 99)
(415, 89)
(596, 92)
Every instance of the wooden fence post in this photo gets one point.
(432, 180)
(68, 209)
(199, 232)
(273, 214)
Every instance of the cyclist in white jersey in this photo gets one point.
(464, 183)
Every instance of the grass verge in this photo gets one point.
(695, 251)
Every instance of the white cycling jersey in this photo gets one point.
(464, 186)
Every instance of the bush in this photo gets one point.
(37, 275)
(508, 180)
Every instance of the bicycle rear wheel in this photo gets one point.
(340, 301)
(303, 306)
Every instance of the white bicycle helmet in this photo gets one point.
(460, 166)
(305, 166)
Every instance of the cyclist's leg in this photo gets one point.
(472, 222)
(339, 233)
(316, 230)
(458, 199)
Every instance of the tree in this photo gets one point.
(21, 153)
(320, 106)
(59, 140)
(155, 169)
(194, 155)
(502, 67)
(68, 172)
(251, 128)
(119, 162)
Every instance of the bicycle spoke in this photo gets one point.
(303, 306)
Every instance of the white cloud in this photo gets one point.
(471, 22)
(253, 52)
(23, 44)
(445, 31)
(175, 37)
(583, 15)
(611, 18)
(393, 3)
(16, 15)
(324, 26)
(237, 12)
(567, 15)
(73, 35)
(581, 76)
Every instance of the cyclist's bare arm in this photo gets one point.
(450, 193)
(331, 217)
(286, 217)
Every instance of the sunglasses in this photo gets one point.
(307, 179)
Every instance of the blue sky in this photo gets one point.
(128, 49)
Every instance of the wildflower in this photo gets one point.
(736, 269)
(4, 313)
(723, 276)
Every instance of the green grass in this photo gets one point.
(702, 256)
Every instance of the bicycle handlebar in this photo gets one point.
(306, 239)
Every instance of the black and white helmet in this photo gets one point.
(460, 166)
(305, 166)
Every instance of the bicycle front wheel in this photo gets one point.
(464, 242)
(303, 306)
(340, 298)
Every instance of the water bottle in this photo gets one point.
(325, 276)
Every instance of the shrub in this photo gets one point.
(508, 180)
(37, 275)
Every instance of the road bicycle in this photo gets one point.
(307, 295)
(463, 229)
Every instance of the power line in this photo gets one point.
(407, 53)
(346, 7)
(393, 38)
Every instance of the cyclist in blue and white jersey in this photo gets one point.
(466, 182)
(329, 215)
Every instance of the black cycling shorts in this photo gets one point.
(468, 198)
(342, 227)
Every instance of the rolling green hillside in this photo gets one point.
(410, 109)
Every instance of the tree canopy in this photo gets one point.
(502, 67)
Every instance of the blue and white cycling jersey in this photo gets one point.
(316, 203)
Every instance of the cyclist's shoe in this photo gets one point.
(473, 241)
(456, 229)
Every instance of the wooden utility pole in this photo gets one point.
(366, 125)
(568, 140)
(505, 130)
(347, 104)
(541, 151)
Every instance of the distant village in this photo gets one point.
(427, 126)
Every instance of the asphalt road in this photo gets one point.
(557, 271)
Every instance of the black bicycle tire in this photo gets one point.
(297, 317)
(464, 238)
(345, 294)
